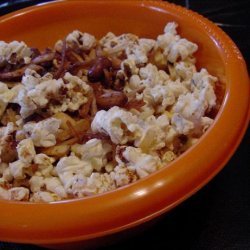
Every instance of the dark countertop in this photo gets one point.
(218, 216)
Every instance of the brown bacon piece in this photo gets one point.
(16, 75)
(96, 72)
(110, 98)
(47, 57)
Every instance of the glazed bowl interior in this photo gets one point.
(104, 214)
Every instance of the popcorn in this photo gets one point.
(28, 107)
(139, 52)
(159, 97)
(168, 157)
(5, 131)
(26, 151)
(76, 95)
(142, 164)
(117, 44)
(14, 51)
(5, 173)
(123, 176)
(44, 196)
(185, 70)
(4, 194)
(36, 92)
(32, 79)
(45, 91)
(36, 183)
(93, 151)
(18, 194)
(190, 108)
(128, 66)
(181, 48)
(151, 76)
(5, 94)
(17, 169)
(5, 97)
(182, 125)
(174, 46)
(111, 122)
(54, 185)
(72, 168)
(153, 133)
(44, 164)
(95, 184)
(43, 134)
(168, 109)
(84, 41)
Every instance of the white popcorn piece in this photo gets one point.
(185, 70)
(159, 97)
(4, 194)
(134, 85)
(168, 157)
(153, 133)
(182, 125)
(177, 87)
(122, 175)
(4, 135)
(36, 92)
(116, 44)
(95, 184)
(43, 196)
(54, 185)
(43, 133)
(6, 95)
(174, 46)
(85, 41)
(171, 28)
(3, 106)
(76, 94)
(5, 173)
(93, 151)
(36, 183)
(26, 151)
(5, 131)
(71, 168)
(44, 164)
(17, 169)
(182, 48)
(151, 76)
(142, 164)
(206, 122)
(17, 49)
(45, 91)
(31, 79)
(119, 124)
(130, 66)
(19, 194)
(139, 52)
(204, 83)
(192, 107)
(28, 107)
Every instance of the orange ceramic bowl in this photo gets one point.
(84, 219)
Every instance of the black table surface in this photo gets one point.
(218, 216)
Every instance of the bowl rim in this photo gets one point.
(234, 61)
